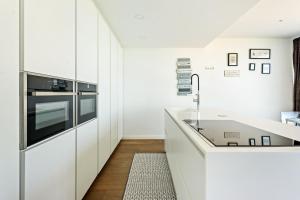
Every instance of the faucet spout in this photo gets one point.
(197, 100)
(197, 80)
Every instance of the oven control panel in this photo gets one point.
(38, 83)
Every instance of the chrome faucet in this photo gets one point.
(197, 98)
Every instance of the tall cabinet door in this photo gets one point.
(9, 100)
(87, 36)
(49, 37)
(114, 92)
(104, 149)
(86, 157)
(120, 92)
(50, 169)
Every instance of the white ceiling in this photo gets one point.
(171, 23)
(263, 20)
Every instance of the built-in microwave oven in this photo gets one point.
(86, 102)
(48, 105)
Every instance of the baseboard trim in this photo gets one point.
(143, 137)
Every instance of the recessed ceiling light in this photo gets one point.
(139, 16)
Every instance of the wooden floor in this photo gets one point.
(111, 182)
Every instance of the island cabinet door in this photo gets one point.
(49, 170)
(172, 156)
(49, 37)
(186, 162)
(86, 157)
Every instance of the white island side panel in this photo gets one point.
(254, 175)
(186, 162)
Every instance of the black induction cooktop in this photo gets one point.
(230, 133)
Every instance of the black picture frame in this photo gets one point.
(259, 53)
(232, 144)
(264, 139)
(230, 61)
(266, 68)
(252, 142)
(252, 66)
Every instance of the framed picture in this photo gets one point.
(252, 66)
(232, 59)
(266, 68)
(260, 53)
(265, 140)
(252, 142)
(232, 144)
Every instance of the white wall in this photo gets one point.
(9, 99)
(150, 82)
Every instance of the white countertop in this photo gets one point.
(204, 146)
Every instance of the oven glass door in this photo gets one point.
(48, 116)
(87, 108)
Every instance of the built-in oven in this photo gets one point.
(86, 102)
(48, 105)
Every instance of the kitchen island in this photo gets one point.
(212, 160)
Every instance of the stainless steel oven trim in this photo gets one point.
(87, 93)
(38, 94)
(23, 110)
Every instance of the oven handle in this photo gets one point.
(38, 94)
(87, 93)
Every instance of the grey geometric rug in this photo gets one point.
(150, 178)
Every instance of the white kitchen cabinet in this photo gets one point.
(174, 141)
(120, 92)
(50, 169)
(9, 101)
(49, 37)
(87, 38)
(86, 157)
(114, 91)
(110, 81)
(187, 164)
(104, 149)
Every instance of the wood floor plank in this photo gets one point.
(111, 182)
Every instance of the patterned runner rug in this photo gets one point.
(150, 178)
